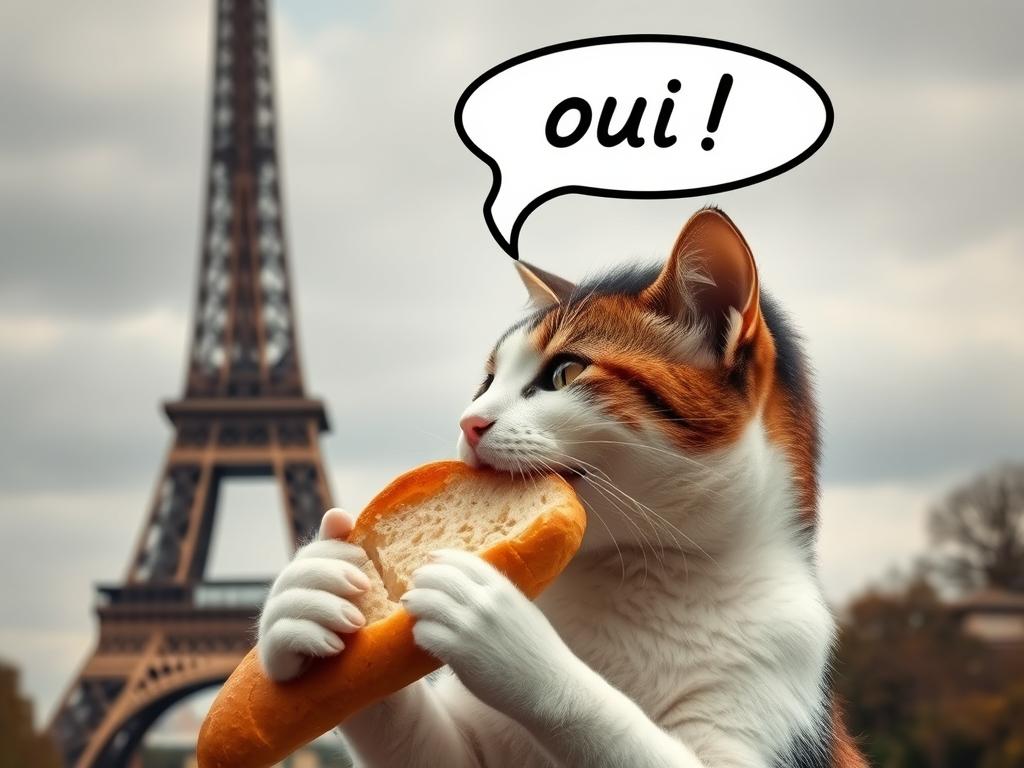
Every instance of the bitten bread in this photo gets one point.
(527, 529)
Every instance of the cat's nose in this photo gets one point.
(473, 427)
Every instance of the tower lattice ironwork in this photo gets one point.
(166, 632)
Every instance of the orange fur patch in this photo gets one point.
(845, 753)
(636, 374)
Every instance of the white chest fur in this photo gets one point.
(699, 644)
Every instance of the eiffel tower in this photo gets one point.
(165, 632)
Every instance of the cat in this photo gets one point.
(690, 631)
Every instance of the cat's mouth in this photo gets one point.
(567, 473)
(527, 469)
(572, 473)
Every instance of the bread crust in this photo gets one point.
(255, 722)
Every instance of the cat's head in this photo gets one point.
(672, 396)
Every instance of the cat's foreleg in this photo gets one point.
(507, 654)
(409, 728)
(309, 613)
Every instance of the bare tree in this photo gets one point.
(979, 530)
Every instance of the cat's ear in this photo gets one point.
(710, 278)
(545, 289)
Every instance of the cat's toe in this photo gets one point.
(288, 644)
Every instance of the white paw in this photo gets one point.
(307, 611)
(475, 620)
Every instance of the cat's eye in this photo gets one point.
(484, 385)
(565, 373)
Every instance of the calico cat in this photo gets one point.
(690, 630)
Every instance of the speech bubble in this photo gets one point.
(636, 116)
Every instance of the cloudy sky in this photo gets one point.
(899, 249)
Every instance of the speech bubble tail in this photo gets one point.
(510, 244)
(505, 211)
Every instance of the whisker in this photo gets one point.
(650, 516)
(659, 449)
(600, 517)
(595, 473)
(669, 526)
(428, 433)
(645, 420)
(641, 536)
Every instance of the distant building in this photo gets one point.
(993, 616)
(20, 745)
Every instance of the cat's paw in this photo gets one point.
(470, 616)
(307, 611)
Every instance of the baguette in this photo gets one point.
(529, 530)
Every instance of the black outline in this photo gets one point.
(512, 248)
